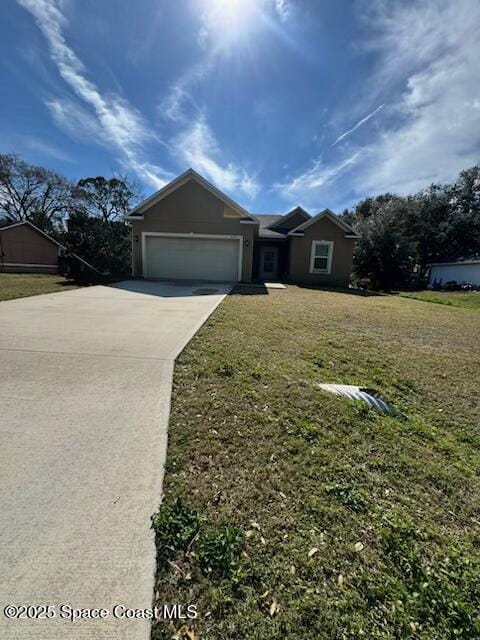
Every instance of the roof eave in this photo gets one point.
(189, 174)
(291, 213)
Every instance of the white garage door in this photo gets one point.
(192, 258)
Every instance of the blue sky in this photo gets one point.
(277, 102)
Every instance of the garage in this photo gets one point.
(192, 257)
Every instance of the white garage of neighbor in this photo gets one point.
(464, 272)
(177, 256)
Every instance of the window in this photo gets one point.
(321, 256)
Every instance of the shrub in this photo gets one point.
(175, 525)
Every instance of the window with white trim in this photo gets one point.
(321, 256)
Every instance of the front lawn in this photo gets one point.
(21, 285)
(467, 299)
(302, 515)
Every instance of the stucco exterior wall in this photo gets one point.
(24, 250)
(300, 251)
(193, 209)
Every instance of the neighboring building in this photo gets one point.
(24, 248)
(462, 272)
(192, 231)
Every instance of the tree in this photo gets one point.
(29, 192)
(106, 245)
(383, 255)
(402, 235)
(107, 199)
(464, 197)
(96, 229)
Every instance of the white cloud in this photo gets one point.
(179, 102)
(196, 146)
(358, 124)
(76, 121)
(282, 7)
(428, 67)
(116, 122)
(433, 48)
(315, 179)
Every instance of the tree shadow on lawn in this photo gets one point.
(364, 293)
(249, 290)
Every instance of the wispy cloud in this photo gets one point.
(178, 103)
(358, 125)
(318, 176)
(119, 124)
(431, 50)
(37, 145)
(282, 7)
(196, 146)
(427, 63)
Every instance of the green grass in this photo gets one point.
(466, 299)
(21, 285)
(319, 517)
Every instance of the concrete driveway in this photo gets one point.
(85, 395)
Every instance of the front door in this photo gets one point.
(268, 263)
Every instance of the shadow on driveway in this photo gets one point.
(180, 289)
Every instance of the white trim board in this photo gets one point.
(193, 236)
(329, 244)
(34, 227)
(327, 213)
(182, 179)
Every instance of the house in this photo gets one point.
(191, 230)
(461, 272)
(24, 248)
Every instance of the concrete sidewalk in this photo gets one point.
(85, 397)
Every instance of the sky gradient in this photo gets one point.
(277, 102)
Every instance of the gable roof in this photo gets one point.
(326, 213)
(176, 183)
(266, 222)
(34, 227)
(293, 212)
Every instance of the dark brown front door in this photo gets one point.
(268, 263)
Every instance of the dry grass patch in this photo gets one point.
(321, 518)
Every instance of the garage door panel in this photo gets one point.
(189, 258)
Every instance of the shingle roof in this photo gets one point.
(265, 220)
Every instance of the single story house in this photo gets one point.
(24, 248)
(190, 230)
(461, 272)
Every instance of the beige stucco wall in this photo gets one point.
(23, 245)
(300, 251)
(193, 209)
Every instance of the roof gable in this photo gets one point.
(326, 213)
(34, 227)
(298, 211)
(138, 212)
